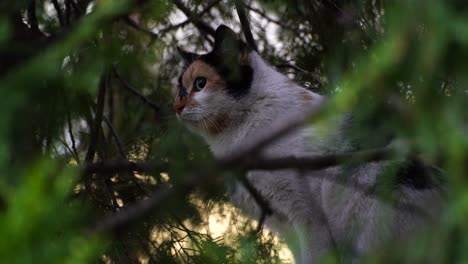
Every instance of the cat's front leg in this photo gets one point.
(314, 242)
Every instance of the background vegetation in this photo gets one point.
(94, 167)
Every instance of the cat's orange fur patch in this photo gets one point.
(306, 95)
(244, 59)
(201, 69)
(180, 103)
(197, 69)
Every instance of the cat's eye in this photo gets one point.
(200, 83)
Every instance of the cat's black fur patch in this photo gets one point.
(238, 77)
(225, 59)
(417, 175)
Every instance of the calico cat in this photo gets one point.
(232, 94)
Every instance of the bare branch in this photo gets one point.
(32, 17)
(136, 92)
(315, 163)
(139, 27)
(288, 65)
(72, 138)
(160, 197)
(270, 19)
(261, 202)
(189, 19)
(277, 130)
(116, 137)
(59, 12)
(127, 215)
(68, 12)
(201, 25)
(115, 166)
(98, 113)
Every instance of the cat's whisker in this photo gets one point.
(203, 122)
(213, 123)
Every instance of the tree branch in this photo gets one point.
(277, 130)
(115, 166)
(116, 137)
(261, 202)
(245, 24)
(72, 138)
(288, 65)
(154, 35)
(313, 163)
(161, 197)
(135, 91)
(270, 19)
(59, 12)
(32, 17)
(95, 130)
(201, 25)
(98, 113)
(127, 215)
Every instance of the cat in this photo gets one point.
(231, 94)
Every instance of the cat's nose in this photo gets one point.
(179, 104)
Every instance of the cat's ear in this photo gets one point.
(228, 45)
(226, 40)
(188, 57)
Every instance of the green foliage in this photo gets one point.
(40, 224)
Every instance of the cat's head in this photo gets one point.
(211, 85)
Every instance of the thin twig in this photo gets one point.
(98, 113)
(270, 19)
(32, 17)
(139, 27)
(136, 92)
(72, 138)
(123, 155)
(95, 130)
(288, 65)
(129, 214)
(66, 146)
(155, 35)
(116, 137)
(261, 202)
(199, 24)
(314, 163)
(277, 130)
(68, 11)
(115, 166)
(59, 12)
